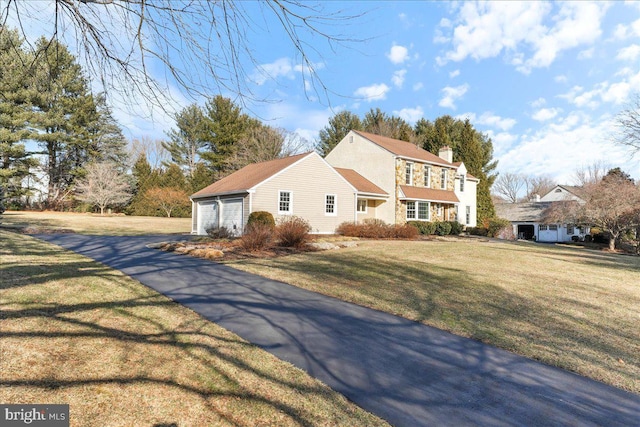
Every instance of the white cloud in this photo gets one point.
(560, 79)
(629, 53)
(586, 54)
(538, 103)
(398, 78)
(280, 67)
(454, 73)
(374, 92)
(418, 86)
(528, 34)
(490, 119)
(411, 115)
(398, 54)
(623, 32)
(545, 114)
(451, 94)
(616, 93)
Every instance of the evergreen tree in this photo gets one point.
(202, 177)
(15, 161)
(338, 127)
(226, 125)
(145, 178)
(187, 141)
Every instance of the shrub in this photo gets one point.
(496, 225)
(426, 228)
(293, 231)
(350, 229)
(456, 227)
(218, 232)
(478, 231)
(405, 231)
(443, 228)
(261, 217)
(257, 236)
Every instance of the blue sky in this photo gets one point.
(543, 80)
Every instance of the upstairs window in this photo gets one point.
(462, 179)
(408, 174)
(427, 176)
(284, 202)
(444, 175)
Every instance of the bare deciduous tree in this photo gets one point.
(508, 185)
(628, 124)
(538, 186)
(167, 199)
(103, 186)
(591, 174)
(203, 47)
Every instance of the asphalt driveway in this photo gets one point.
(405, 372)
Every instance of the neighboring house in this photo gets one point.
(562, 193)
(304, 185)
(423, 186)
(528, 221)
(364, 176)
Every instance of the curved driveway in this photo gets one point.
(405, 372)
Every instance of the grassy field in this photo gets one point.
(565, 306)
(96, 224)
(76, 332)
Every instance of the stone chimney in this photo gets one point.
(446, 153)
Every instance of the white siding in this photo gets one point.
(309, 181)
(372, 162)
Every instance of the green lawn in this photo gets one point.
(76, 332)
(569, 307)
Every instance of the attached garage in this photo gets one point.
(217, 213)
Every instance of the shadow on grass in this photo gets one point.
(133, 321)
(577, 336)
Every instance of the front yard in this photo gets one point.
(569, 307)
(74, 331)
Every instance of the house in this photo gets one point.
(364, 176)
(422, 186)
(528, 219)
(303, 185)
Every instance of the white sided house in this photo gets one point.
(303, 185)
(422, 186)
(528, 219)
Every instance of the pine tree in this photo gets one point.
(339, 125)
(188, 140)
(15, 161)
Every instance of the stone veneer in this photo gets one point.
(418, 181)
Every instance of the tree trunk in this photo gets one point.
(101, 210)
(612, 241)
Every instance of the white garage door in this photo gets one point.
(232, 216)
(207, 216)
(548, 233)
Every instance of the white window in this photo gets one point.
(284, 202)
(427, 176)
(468, 215)
(411, 210)
(462, 179)
(571, 229)
(542, 227)
(423, 210)
(330, 204)
(418, 210)
(444, 174)
(439, 209)
(408, 178)
(553, 227)
(362, 206)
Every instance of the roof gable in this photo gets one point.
(249, 176)
(404, 149)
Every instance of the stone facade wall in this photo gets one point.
(448, 211)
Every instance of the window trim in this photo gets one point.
(416, 210)
(334, 206)
(366, 205)
(444, 177)
(462, 183)
(427, 210)
(415, 213)
(408, 173)
(290, 202)
(427, 176)
(467, 215)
